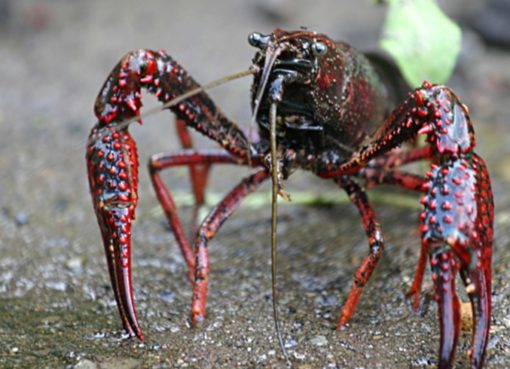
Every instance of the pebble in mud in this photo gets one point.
(111, 363)
(21, 219)
(319, 341)
(86, 364)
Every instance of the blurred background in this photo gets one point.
(56, 306)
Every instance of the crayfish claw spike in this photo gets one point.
(478, 288)
(443, 273)
(116, 231)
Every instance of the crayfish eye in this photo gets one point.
(259, 40)
(319, 48)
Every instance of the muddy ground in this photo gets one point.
(56, 306)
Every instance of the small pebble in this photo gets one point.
(21, 219)
(466, 316)
(319, 341)
(85, 364)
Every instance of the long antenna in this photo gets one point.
(274, 215)
(271, 55)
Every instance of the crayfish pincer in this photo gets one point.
(332, 113)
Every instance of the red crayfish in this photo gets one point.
(330, 111)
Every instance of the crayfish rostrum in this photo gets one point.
(333, 113)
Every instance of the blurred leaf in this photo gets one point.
(423, 40)
(261, 199)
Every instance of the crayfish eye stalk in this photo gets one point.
(259, 40)
(319, 48)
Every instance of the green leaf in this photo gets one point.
(424, 42)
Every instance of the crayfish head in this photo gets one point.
(328, 94)
(290, 71)
(287, 65)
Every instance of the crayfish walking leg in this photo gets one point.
(192, 159)
(210, 226)
(198, 260)
(199, 173)
(376, 245)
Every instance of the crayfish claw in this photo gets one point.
(112, 164)
(457, 231)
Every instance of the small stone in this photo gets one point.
(506, 322)
(86, 364)
(167, 296)
(299, 356)
(466, 316)
(21, 219)
(74, 264)
(305, 366)
(290, 343)
(319, 341)
(49, 320)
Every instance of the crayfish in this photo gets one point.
(323, 107)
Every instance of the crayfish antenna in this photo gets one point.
(272, 53)
(269, 61)
(274, 216)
